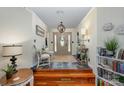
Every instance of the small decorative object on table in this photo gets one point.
(9, 71)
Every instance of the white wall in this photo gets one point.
(107, 15)
(74, 38)
(40, 41)
(17, 26)
(90, 24)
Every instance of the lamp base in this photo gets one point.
(13, 59)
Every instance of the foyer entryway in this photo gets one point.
(62, 44)
(64, 71)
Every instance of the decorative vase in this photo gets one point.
(8, 76)
(110, 53)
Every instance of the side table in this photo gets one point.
(24, 77)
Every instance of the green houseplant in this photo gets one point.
(111, 46)
(83, 56)
(121, 79)
(9, 71)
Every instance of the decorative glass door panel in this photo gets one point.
(62, 43)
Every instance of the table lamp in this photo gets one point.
(12, 51)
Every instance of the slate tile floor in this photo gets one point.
(68, 65)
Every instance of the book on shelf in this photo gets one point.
(100, 72)
(105, 74)
(118, 67)
(114, 65)
(122, 68)
(100, 83)
(103, 83)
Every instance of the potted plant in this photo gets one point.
(9, 71)
(83, 55)
(111, 46)
(121, 79)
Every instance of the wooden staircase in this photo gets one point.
(66, 77)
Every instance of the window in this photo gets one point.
(62, 41)
(69, 41)
(55, 44)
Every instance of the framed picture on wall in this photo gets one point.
(40, 31)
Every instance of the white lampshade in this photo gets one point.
(12, 50)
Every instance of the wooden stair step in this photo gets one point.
(61, 83)
(63, 70)
(63, 79)
(73, 75)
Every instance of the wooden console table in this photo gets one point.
(24, 77)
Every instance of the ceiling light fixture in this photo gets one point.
(61, 28)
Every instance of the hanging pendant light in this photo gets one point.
(61, 28)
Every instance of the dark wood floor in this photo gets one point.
(64, 77)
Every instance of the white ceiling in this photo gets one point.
(70, 17)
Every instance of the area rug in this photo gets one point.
(63, 65)
(68, 65)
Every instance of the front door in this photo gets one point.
(62, 43)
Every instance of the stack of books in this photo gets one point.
(118, 67)
(103, 83)
(105, 74)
